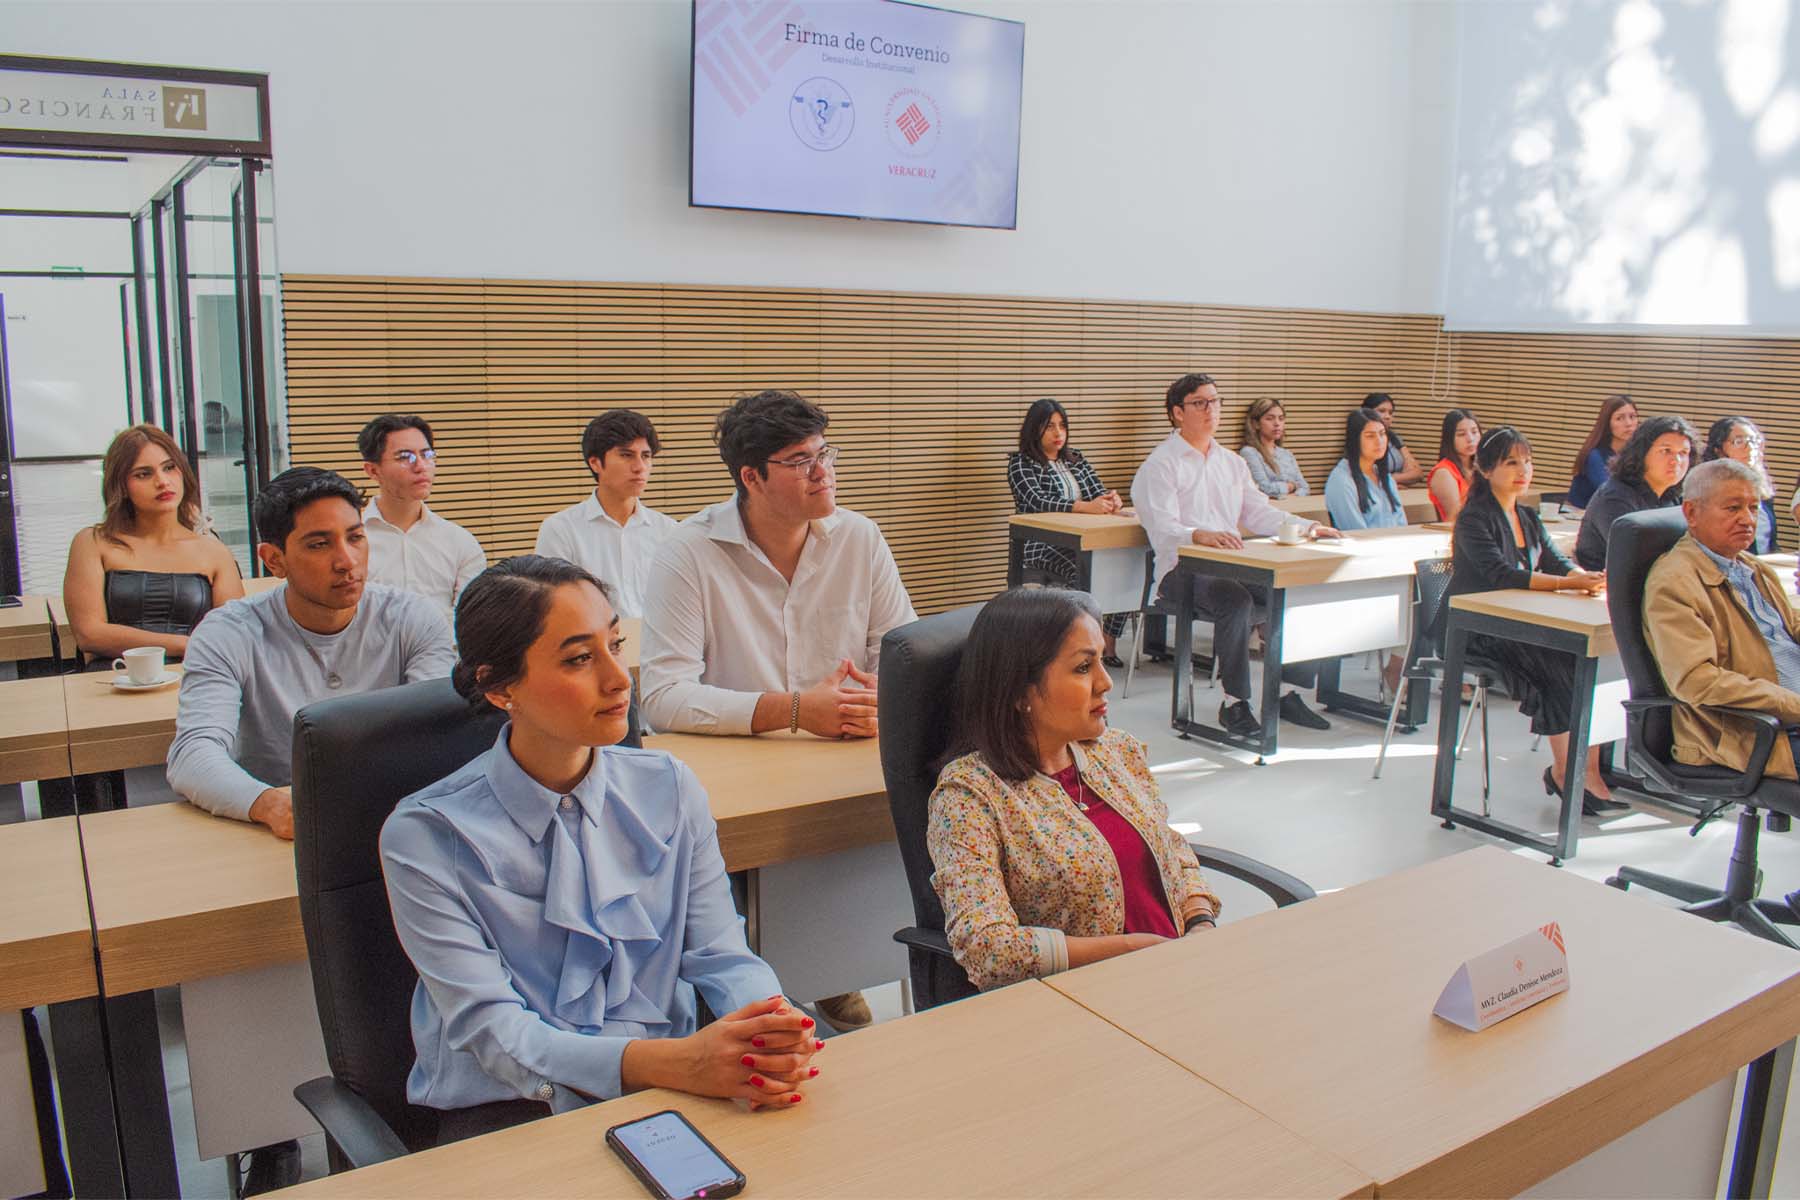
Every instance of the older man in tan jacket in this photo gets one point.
(1721, 626)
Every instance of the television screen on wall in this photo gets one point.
(856, 108)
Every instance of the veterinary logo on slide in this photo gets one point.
(912, 122)
(822, 114)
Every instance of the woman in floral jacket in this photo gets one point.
(1049, 839)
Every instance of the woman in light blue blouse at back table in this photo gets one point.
(1359, 492)
(563, 897)
(1272, 465)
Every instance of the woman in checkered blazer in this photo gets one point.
(1047, 475)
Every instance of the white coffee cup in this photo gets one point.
(143, 663)
(1290, 532)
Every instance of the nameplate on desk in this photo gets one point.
(1506, 980)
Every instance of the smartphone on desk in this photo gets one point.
(672, 1159)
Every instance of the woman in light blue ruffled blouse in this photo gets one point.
(563, 897)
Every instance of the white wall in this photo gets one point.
(1273, 152)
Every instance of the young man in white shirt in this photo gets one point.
(612, 534)
(766, 611)
(1193, 490)
(411, 547)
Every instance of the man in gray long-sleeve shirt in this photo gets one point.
(253, 663)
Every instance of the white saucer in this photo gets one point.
(124, 684)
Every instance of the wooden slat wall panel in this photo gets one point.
(925, 391)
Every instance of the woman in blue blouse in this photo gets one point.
(1617, 421)
(1047, 475)
(1360, 492)
(563, 897)
(1739, 439)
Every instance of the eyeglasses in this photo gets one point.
(1743, 441)
(409, 458)
(1200, 402)
(808, 463)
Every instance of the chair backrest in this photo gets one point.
(1636, 541)
(916, 703)
(1432, 595)
(355, 758)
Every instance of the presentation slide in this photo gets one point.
(859, 108)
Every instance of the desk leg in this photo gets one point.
(1271, 697)
(1015, 557)
(1759, 1124)
(1581, 711)
(1334, 698)
(1084, 571)
(1443, 783)
(85, 1088)
(1181, 712)
(140, 1095)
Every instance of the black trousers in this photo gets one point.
(1233, 608)
(455, 1124)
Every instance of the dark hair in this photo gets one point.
(1495, 447)
(1628, 467)
(1447, 437)
(372, 441)
(279, 503)
(754, 427)
(1720, 433)
(1259, 408)
(115, 470)
(1355, 422)
(1181, 389)
(500, 614)
(1600, 436)
(610, 430)
(1375, 399)
(1014, 639)
(1031, 433)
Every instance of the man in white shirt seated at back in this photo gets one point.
(612, 534)
(766, 611)
(411, 547)
(1191, 490)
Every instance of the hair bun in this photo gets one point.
(462, 678)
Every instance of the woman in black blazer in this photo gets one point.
(1500, 543)
(1047, 475)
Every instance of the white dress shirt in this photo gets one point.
(618, 555)
(1180, 489)
(721, 625)
(435, 559)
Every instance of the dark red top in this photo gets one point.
(1146, 906)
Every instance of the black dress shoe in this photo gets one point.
(1294, 709)
(1237, 720)
(1591, 805)
(272, 1168)
(1113, 662)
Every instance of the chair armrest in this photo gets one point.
(929, 940)
(349, 1122)
(1740, 785)
(1276, 884)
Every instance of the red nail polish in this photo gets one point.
(756, 1081)
(747, 1061)
(794, 1098)
(806, 1022)
(818, 1044)
(815, 1071)
(756, 1041)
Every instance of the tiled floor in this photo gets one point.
(1313, 811)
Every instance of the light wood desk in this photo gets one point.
(1110, 553)
(1577, 625)
(46, 942)
(46, 957)
(1319, 1016)
(1014, 1093)
(25, 629)
(110, 730)
(1325, 599)
(34, 732)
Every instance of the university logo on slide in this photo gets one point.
(912, 122)
(822, 114)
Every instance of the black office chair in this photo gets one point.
(1636, 542)
(355, 758)
(918, 681)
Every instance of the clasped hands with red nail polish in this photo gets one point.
(774, 1044)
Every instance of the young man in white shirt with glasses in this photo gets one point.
(411, 547)
(1193, 490)
(766, 611)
